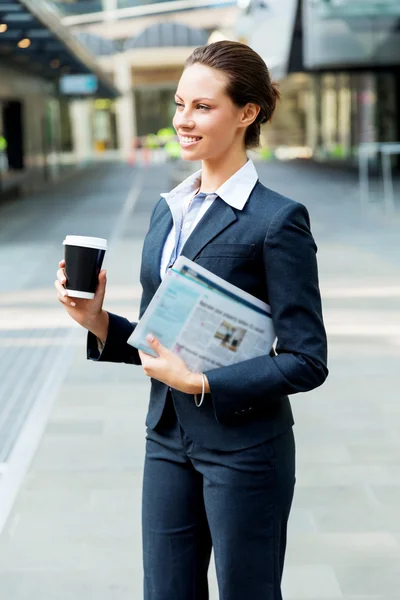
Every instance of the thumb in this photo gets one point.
(156, 345)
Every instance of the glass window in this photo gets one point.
(351, 32)
(104, 125)
(155, 109)
(65, 126)
(132, 3)
(387, 108)
(3, 145)
(79, 7)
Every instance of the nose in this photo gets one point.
(183, 120)
(184, 124)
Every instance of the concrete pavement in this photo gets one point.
(74, 530)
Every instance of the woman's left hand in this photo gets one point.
(169, 368)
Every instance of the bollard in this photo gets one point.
(146, 153)
(132, 158)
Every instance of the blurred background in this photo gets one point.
(87, 79)
(86, 147)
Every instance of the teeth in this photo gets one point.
(189, 140)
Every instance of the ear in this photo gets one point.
(249, 114)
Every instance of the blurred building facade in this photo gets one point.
(338, 63)
(142, 45)
(36, 53)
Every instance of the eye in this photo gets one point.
(178, 104)
(203, 107)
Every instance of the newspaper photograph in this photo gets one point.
(204, 319)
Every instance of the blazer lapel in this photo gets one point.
(217, 218)
(160, 229)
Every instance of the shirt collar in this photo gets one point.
(235, 191)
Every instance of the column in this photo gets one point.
(125, 106)
(311, 115)
(82, 133)
(109, 8)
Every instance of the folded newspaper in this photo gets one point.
(204, 319)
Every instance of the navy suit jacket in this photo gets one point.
(267, 250)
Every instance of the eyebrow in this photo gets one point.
(197, 99)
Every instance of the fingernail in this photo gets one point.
(73, 303)
(150, 338)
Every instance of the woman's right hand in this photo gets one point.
(88, 313)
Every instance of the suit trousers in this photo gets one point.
(196, 499)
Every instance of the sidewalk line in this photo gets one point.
(392, 291)
(128, 207)
(32, 432)
(367, 330)
(15, 470)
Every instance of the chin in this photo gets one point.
(190, 156)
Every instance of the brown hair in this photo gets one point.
(248, 80)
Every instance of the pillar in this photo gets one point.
(109, 8)
(126, 118)
(82, 133)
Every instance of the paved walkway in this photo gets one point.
(72, 435)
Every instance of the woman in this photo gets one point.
(220, 473)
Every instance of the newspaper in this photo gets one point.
(204, 319)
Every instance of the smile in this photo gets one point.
(186, 141)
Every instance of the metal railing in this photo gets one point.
(386, 151)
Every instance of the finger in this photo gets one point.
(102, 282)
(61, 264)
(60, 288)
(61, 276)
(63, 294)
(156, 345)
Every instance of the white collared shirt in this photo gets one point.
(235, 192)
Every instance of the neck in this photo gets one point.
(215, 171)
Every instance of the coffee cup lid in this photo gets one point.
(85, 242)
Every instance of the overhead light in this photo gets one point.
(55, 63)
(25, 43)
(3, 27)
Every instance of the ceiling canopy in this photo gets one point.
(33, 39)
(167, 34)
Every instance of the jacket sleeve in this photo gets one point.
(115, 348)
(291, 273)
(119, 330)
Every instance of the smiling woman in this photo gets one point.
(220, 473)
(246, 80)
(224, 96)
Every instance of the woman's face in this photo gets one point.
(207, 122)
